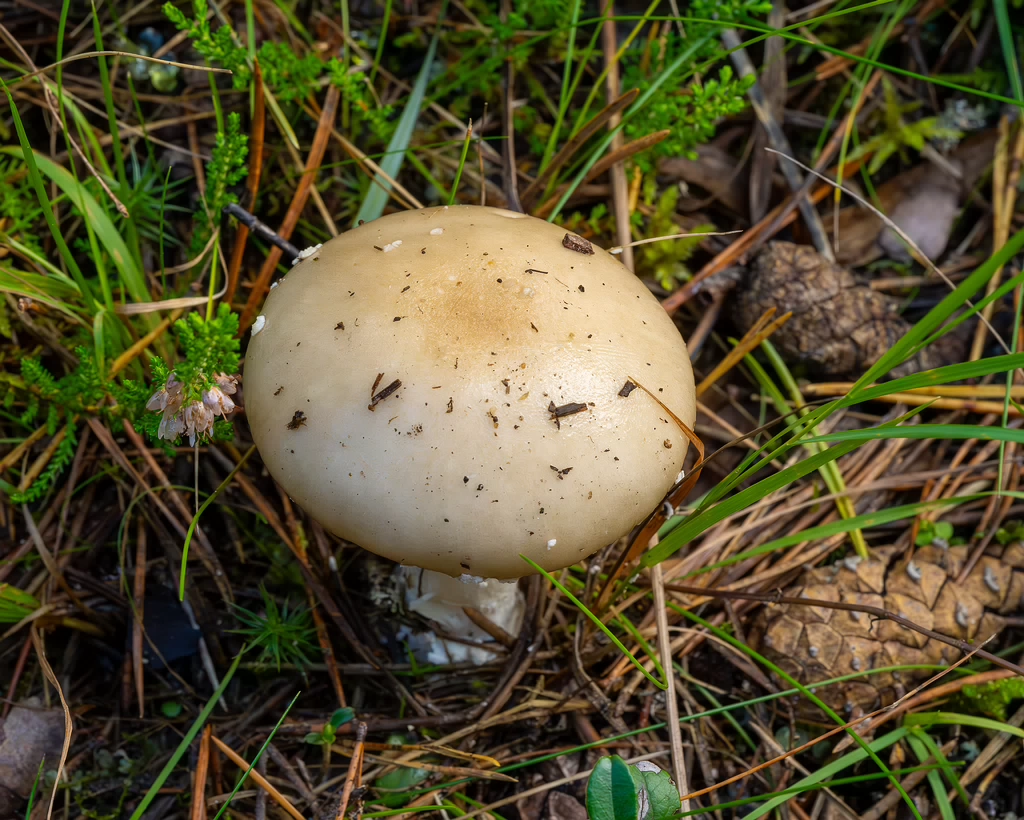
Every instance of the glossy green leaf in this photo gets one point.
(657, 793)
(611, 791)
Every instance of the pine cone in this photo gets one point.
(814, 644)
(839, 326)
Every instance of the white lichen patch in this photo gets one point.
(392, 246)
(259, 324)
(436, 231)
(466, 578)
(308, 252)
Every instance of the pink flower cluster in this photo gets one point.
(196, 418)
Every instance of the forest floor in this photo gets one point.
(823, 619)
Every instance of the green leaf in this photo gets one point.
(342, 716)
(170, 709)
(611, 791)
(657, 790)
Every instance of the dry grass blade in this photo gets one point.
(199, 776)
(617, 173)
(355, 770)
(751, 340)
(37, 641)
(675, 733)
(88, 55)
(595, 124)
(452, 771)
(264, 784)
(1005, 176)
(138, 621)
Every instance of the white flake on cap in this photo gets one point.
(308, 252)
(257, 326)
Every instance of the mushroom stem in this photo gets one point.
(443, 600)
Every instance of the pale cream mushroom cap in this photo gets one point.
(487, 320)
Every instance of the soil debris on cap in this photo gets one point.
(577, 243)
(383, 394)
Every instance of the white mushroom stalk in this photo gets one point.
(452, 388)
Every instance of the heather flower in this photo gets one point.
(172, 425)
(198, 421)
(217, 402)
(195, 419)
(168, 398)
(228, 384)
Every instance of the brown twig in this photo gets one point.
(199, 776)
(291, 218)
(252, 185)
(263, 783)
(355, 771)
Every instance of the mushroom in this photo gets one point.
(454, 387)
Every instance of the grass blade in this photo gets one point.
(131, 276)
(186, 741)
(29, 158)
(377, 196)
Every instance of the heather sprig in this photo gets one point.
(216, 46)
(197, 390)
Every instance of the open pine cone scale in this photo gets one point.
(814, 643)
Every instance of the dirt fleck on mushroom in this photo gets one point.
(627, 388)
(278, 391)
(298, 420)
(339, 326)
(560, 412)
(577, 243)
(383, 394)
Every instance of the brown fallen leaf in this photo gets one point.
(715, 171)
(29, 735)
(860, 228)
(562, 806)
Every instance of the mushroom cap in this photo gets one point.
(443, 387)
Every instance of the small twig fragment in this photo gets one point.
(383, 394)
